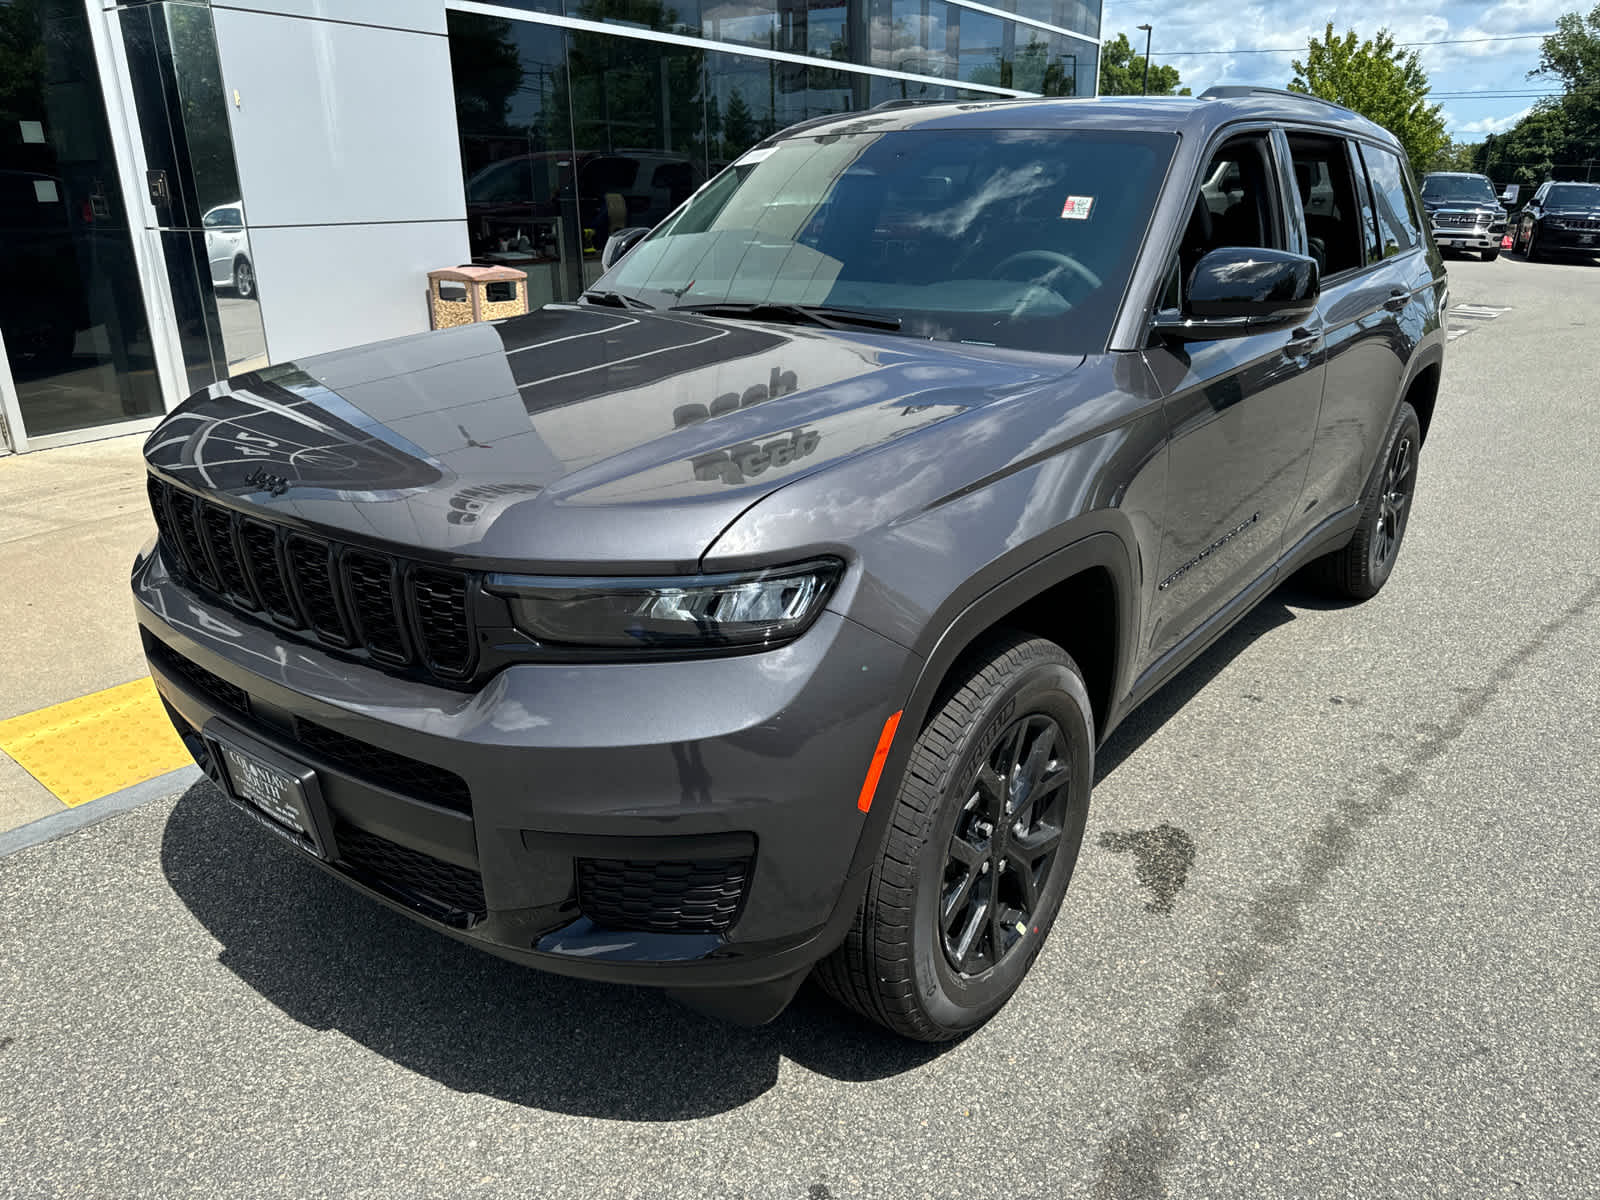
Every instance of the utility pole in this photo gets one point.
(1144, 89)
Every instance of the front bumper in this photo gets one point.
(1580, 240)
(756, 759)
(1476, 238)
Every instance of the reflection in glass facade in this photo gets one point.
(71, 308)
(570, 134)
(182, 106)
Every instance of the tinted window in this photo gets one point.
(1397, 221)
(1458, 189)
(1574, 194)
(1005, 237)
(1328, 197)
(1369, 215)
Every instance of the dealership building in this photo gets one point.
(192, 190)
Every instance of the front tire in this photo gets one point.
(1361, 568)
(1490, 255)
(244, 278)
(982, 841)
(1531, 249)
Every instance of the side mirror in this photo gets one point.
(1509, 196)
(619, 243)
(1236, 290)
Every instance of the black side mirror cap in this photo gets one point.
(1236, 290)
(619, 243)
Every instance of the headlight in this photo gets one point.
(749, 609)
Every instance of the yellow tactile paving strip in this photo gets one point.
(97, 744)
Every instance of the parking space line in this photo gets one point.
(97, 744)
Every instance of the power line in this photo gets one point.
(1508, 37)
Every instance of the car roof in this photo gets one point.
(1455, 175)
(1194, 116)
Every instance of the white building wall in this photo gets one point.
(344, 131)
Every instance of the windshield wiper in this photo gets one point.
(795, 314)
(616, 300)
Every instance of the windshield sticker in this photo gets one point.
(1077, 208)
(751, 158)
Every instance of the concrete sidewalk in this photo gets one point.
(71, 521)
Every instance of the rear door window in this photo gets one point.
(1397, 220)
(1326, 184)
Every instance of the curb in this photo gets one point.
(47, 829)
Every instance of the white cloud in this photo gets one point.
(1488, 125)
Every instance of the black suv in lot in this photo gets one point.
(1560, 217)
(764, 610)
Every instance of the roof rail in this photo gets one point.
(1237, 91)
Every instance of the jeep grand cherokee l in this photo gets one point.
(1560, 217)
(763, 611)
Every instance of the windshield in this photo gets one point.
(1576, 195)
(1459, 189)
(1019, 238)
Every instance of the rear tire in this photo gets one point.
(1360, 569)
(981, 843)
(1530, 250)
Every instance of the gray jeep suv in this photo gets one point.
(762, 612)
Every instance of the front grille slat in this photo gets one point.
(260, 545)
(311, 571)
(218, 525)
(191, 538)
(662, 896)
(440, 598)
(388, 609)
(374, 589)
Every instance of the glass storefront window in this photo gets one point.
(72, 310)
(570, 135)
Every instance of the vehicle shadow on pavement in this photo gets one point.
(335, 961)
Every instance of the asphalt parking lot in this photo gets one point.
(1332, 933)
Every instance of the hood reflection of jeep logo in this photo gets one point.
(749, 459)
(274, 485)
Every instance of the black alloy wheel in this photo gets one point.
(1394, 503)
(1358, 570)
(985, 825)
(1004, 844)
(1530, 250)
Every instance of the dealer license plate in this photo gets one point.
(282, 792)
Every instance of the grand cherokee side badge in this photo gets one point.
(275, 485)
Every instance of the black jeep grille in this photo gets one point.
(398, 613)
(1584, 223)
(396, 772)
(662, 896)
(441, 890)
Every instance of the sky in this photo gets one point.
(1481, 85)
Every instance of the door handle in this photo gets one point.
(1302, 342)
(1398, 299)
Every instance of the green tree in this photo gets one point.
(1529, 152)
(1572, 55)
(1381, 82)
(738, 127)
(1456, 156)
(1122, 72)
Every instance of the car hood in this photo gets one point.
(1574, 210)
(577, 436)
